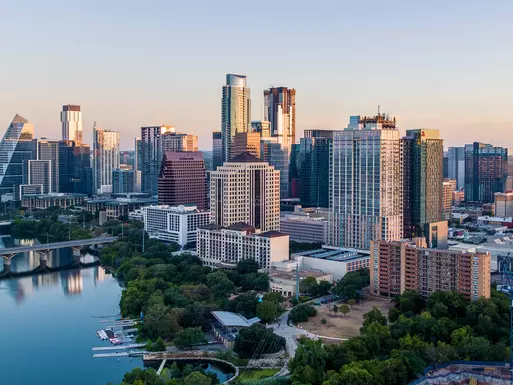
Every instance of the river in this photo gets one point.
(48, 324)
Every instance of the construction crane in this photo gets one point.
(505, 265)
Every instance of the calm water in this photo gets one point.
(48, 324)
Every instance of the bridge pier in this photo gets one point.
(7, 261)
(76, 254)
(43, 258)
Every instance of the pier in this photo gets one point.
(125, 347)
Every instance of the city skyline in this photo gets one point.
(438, 74)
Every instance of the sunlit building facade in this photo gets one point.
(71, 119)
(106, 158)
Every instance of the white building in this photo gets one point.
(174, 224)
(246, 190)
(106, 158)
(71, 119)
(366, 183)
(504, 204)
(223, 247)
(303, 225)
(282, 277)
(336, 261)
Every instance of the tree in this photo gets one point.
(244, 303)
(274, 296)
(351, 302)
(323, 287)
(246, 266)
(157, 346)
(410, 301)
(374, 316)
(160, 321)
(344, 309)
(142, 376)
(354, 374)
(301, 313)
(308, 285)
(335, 308)
(197, 378)
(350, 285)
(255, 281)
(309, 363)
(267, 311)
(256, 340)
(189, 337)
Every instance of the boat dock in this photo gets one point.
(126, 347)
(117, 354)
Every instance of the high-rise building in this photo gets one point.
(246, 189)
(71, 119)
(246, 142)
(151, 156)
(182, 180)
(504, 204)
(423, 180)
(280, 111)
(314, 165)
(366, 182)
(176, 141)
(217, 150)
(409, 265)
(235, 115)
(75, 174)
(485, 171)
(106, 158)
(123, 181)
(294, 171)
(456, 166)
(137, 165)
(48, 150)
(449, 186)
(263, 127)
(277, 155)
(15, 152)
(40, 173)
(445, 165)
(319, 134)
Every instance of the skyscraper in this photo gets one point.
(280, 111)
(246, 189)
(235, 116)
(423, 180)
(15, 152)
(106, 158)
(217, 150)
(48, 150)
(151, 156)
(182, 179)
(277, 155)
(486, 170)
(314, 165)
(366, 183)
(71, 119)
(123, 181)
(263, 127)
(40, 173)
(456, 166)
(176, 141)
(246, 142)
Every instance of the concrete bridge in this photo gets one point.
(9, 253)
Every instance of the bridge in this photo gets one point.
(9, 253)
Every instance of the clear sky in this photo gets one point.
(445, 64)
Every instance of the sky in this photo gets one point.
(437, 64)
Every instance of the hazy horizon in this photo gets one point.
(431, 65)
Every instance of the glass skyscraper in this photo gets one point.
(15, 152)
(235, 115)
(106, 158)
(151, 153)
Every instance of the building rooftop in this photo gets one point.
(241, 226)
(245, 157)
(181, 209)
(334, 253)
(183, 155)
(291, 275)
(272, 234)
(229, 319)
(55, 195)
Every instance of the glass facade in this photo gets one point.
(314, 164)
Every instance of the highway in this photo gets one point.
(57, 245)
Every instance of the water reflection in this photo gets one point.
(71, 281)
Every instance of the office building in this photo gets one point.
(151, 156)
(71, 119)
(176, 141)
(449, 186)
(182, 180)
(366, 182)
(313, 170)
(456, 166)
(409, 265)
(305, 224)
(224, 247)
(217, 150)
(119, 205)
(280, 111)
(246, 190)
(277, 155)
(15, 152)
(445, 165)
(423, 180)
(319, 134)
(294, 171)
(263, 127)
(333, 260)
(174, 224)
(48, 150)
(123, 181)
(504, 204)
(127, 159)
(40, 173)
(43, 201)
(106, 158)
(246, 142)
(485, 171)
(235, 116)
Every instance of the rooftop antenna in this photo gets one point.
(378, 109)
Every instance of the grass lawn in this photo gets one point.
(257, 374)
